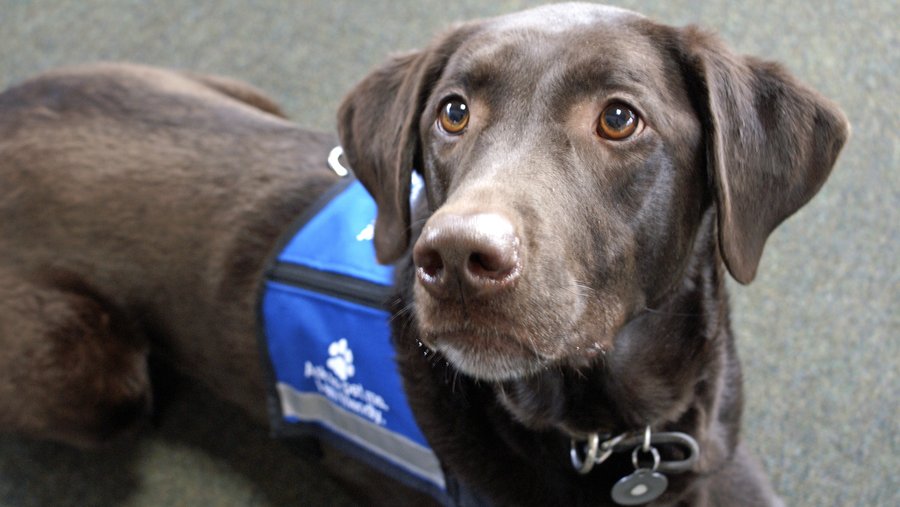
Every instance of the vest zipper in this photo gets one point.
(343, 287)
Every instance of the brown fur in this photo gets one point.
(154, 190)
(138, 206)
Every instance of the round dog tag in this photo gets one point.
(642, 486)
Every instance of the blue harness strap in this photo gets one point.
(326, 342)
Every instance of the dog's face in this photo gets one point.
(570, 154)
(591, 161)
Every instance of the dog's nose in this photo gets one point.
(477, 254)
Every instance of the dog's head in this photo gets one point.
(570, 154)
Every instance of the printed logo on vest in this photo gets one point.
(332, 382)
(341, 360)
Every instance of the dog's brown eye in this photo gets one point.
(617, 122)
(454, 116)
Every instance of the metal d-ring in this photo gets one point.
(653, 452)
(596, 452)
(590, 456)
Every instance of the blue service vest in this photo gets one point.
(326, 342)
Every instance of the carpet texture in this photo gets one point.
(818, 331)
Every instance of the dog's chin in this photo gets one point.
(503, 358)
(497, 358)
(489, 365)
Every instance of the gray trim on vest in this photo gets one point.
(392, 446)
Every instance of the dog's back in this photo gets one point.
(136, 201)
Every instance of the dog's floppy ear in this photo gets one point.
(378, 125)
(771, 143)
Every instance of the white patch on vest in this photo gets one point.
(367, 233)
(416, 186)
(332, 382)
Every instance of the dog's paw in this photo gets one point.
(341, 360)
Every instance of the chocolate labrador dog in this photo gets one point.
(561, 321)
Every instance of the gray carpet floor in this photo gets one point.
(819, 330)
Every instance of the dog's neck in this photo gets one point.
(667, 370)
(653, 376)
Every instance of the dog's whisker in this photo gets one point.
(455, 381)
(404, 311)
(673, 314)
